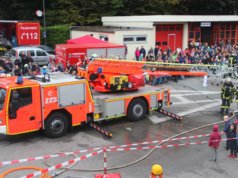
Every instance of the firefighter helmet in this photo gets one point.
(157, 169)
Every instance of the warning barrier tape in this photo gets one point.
(158, 141)
(162, 146)
(61, 165)
(5, 163)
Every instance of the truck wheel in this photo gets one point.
(136, 110)
(56, 125)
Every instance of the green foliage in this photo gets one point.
(55, 35)
(89, 12)
(148, 7)
(19, 9)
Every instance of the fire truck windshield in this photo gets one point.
(2, 97)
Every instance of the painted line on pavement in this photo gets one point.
(195, 102)
(155, 120)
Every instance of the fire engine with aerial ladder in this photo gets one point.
(57, 102)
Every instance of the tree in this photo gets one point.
(62, 12)
(19, 9)
(148, 7)
(89, 12)
(208, 7)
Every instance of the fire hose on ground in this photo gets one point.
(72, 163)
(143, 157)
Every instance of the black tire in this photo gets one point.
(136, 110)
(56, 125)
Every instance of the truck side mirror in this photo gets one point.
(14, 105)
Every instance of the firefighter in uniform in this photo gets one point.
(226, 95)
(156, 171)
(236, 97)
(231, 60)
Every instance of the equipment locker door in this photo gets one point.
(21, 111)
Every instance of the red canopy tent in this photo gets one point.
(87, 46)
(87, 39)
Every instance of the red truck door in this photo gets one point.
(28, 33)
(23, 115)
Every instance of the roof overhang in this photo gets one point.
(172, 18)
(8, 21)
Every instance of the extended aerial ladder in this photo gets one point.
(107, 75)
(218, 73)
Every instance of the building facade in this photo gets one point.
(166, 31)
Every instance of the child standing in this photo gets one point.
(226, 128)
(232, 145)
(214, 142)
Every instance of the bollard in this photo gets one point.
(105, 175)
(156, 171)
(105, 160)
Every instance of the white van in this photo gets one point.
(39, 56)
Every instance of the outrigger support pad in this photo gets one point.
(172, 115)
(102, 131)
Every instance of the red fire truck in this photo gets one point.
(20, 32)
(59, 102)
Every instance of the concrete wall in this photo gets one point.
(77, 34)
(131, 46)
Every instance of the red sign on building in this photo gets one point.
(28, 33)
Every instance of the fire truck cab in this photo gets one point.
(58, 102)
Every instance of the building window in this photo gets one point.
(135, 39)
(165, 28)
(128, 39)
(165, 43)
(224, 32)
(194, 32)
(141, 38)
(103, 37)
(158, 43)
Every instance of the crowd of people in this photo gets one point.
(25, 66)
(219, 53)
(20, 67)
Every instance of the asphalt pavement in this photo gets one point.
(197, 104)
